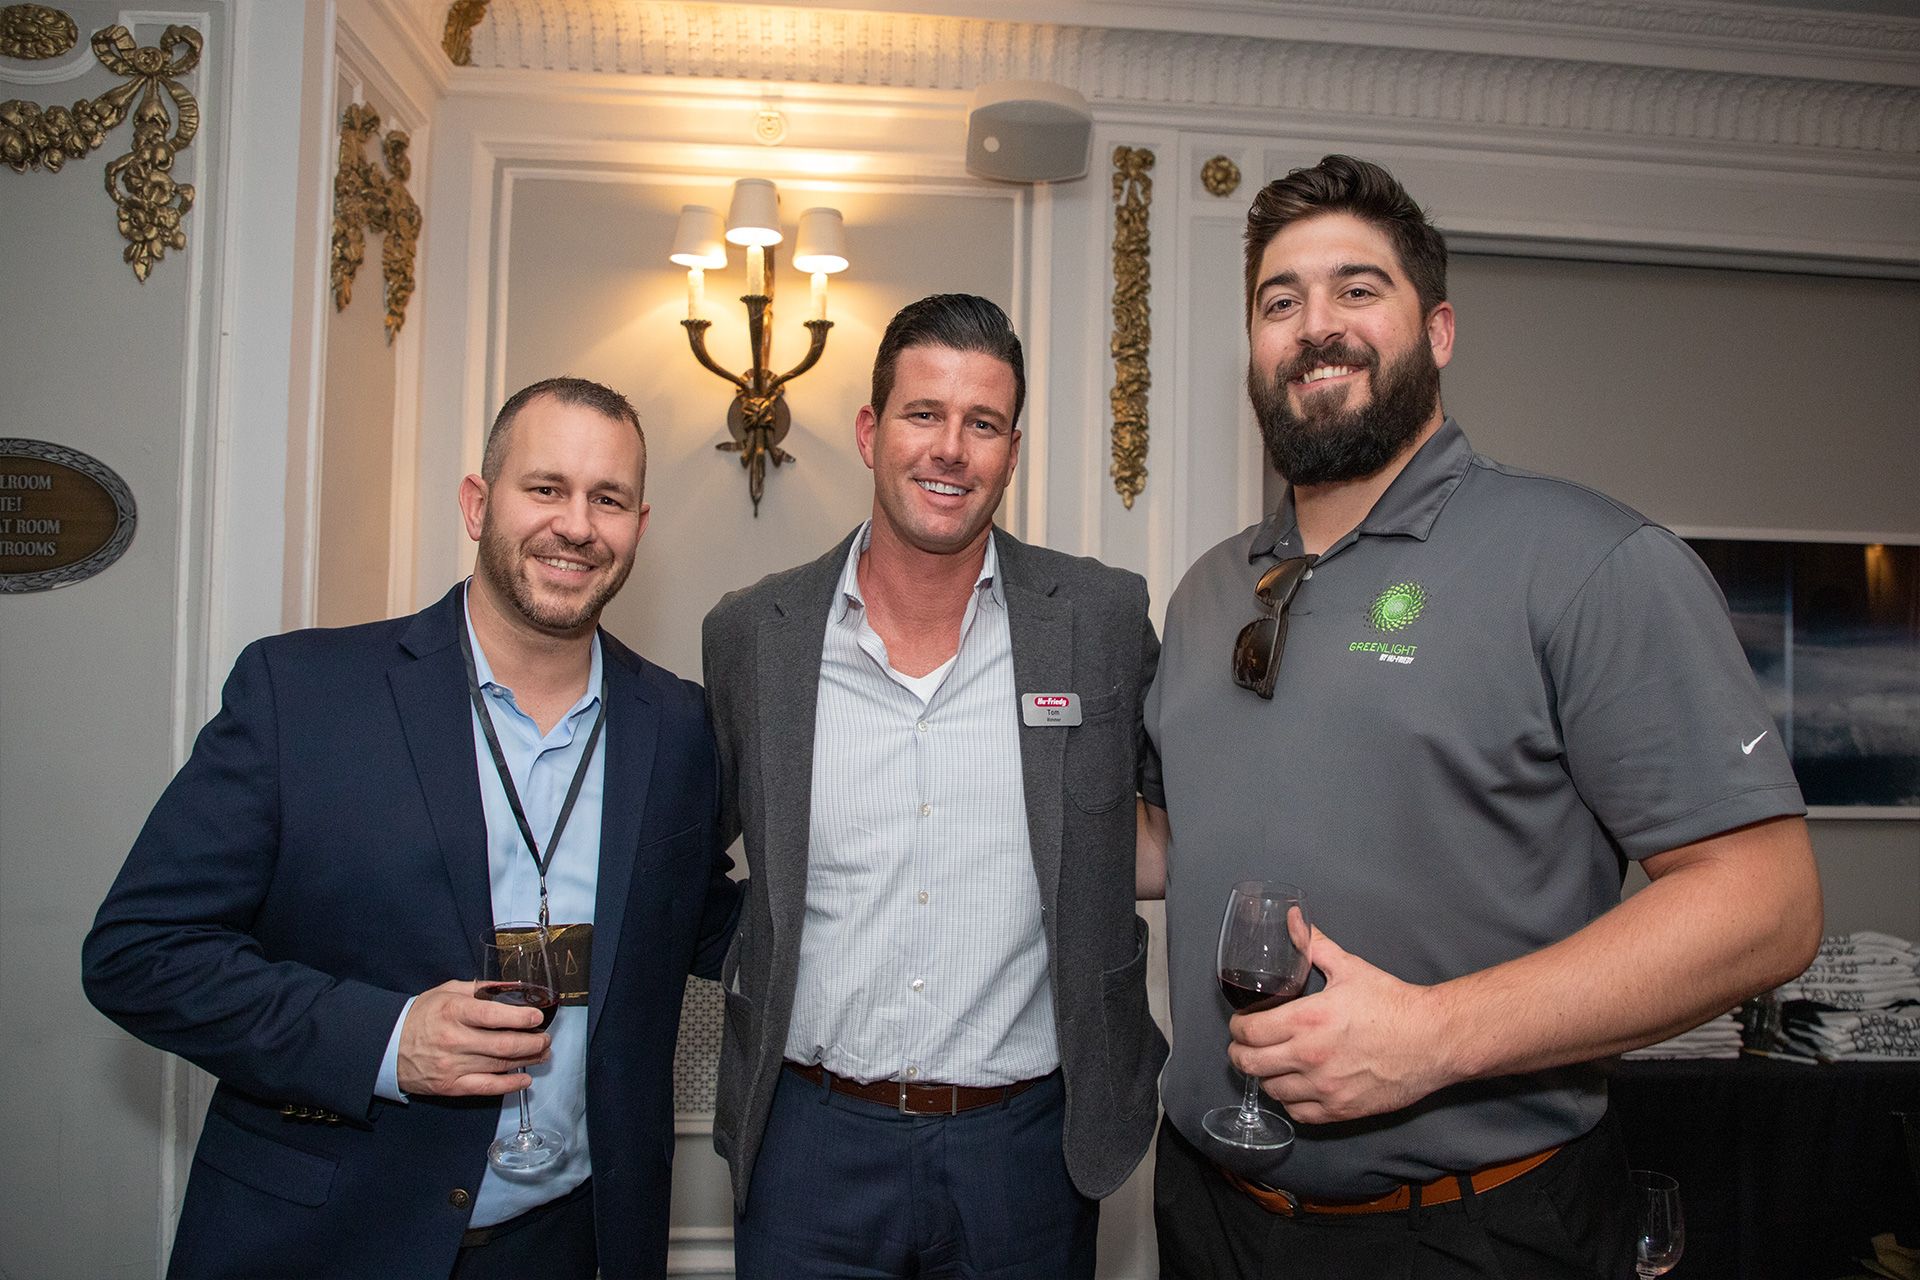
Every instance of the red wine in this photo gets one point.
(524, 994)
(1250, 991)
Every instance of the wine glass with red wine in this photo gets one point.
(518, 970)
(1263, 963)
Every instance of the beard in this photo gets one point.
(501, 562)
(1327, 445)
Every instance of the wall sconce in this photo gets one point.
(758, 418)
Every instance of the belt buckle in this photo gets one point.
(1293, 1201)
(953, 1102)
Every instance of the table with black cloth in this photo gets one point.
(1786, 1169)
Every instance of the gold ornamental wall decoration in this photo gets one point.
(1220, 176)
(152, 205)
(34, 32)
(364, 199)
(462, 17)
(1132, 330)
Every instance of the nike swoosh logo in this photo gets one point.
(1746, 748)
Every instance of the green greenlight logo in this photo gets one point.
(1398, 607)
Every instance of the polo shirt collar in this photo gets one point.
(1409, 506)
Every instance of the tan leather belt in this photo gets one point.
(916, 1099)
(1443, 1190)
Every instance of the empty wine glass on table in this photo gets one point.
(517, 969)
(1263, 963)
(1662, 1233)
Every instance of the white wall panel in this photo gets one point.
(103, 682)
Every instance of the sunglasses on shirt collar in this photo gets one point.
(1256, 653)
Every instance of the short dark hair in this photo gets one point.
(603, 400)
(1342, 184)
(959, 322)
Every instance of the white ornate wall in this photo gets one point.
(1707, 134)
(1712, 134)
(182, 384)
(1723, 135)
(1716, 134)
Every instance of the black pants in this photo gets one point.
(552, 1242)
(1568, 1219)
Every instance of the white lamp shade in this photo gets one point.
(700, 240)
(754, 217)
(821, 243)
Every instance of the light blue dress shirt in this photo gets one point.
(542, 767)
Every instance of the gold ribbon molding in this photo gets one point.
(1132, 330)
(365, 199)
(152, 205)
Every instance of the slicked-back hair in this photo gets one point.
(604, 401)
(958, 322)
(1342, 184)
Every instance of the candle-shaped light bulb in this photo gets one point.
(819, 295)
(696, 291)
(756, 270)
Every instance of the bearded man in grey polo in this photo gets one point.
(1486, 691)
(937, 1051)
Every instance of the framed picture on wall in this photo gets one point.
(1831, 624)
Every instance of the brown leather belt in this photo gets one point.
(916, 1099)
(1442, 1190)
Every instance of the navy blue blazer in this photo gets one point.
(321, 858)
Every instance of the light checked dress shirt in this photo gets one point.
(542, 767)
(922, 957)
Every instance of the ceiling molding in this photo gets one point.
(1123, 68)
(1745, 23)
(1746, 38)
(1748, 26)
(401, 30)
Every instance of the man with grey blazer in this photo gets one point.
(937, 1054)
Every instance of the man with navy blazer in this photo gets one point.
(304, 912)
(937, 1054)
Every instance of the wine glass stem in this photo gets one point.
(1250, 1103)
(526, 1116)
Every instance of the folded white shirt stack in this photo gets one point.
(1858, 1001)
(1884, 1035)
(1719, 1038)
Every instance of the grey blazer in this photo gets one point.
(1077, 626)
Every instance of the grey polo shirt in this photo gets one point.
(1494, 691)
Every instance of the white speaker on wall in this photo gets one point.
(1028, 131)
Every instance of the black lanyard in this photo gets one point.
(541, 863)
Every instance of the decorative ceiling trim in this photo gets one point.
(1751, 28)
(1745, 23)
(1740, 24)
(1124, 67)
(462, 17)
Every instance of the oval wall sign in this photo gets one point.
(64, 516)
